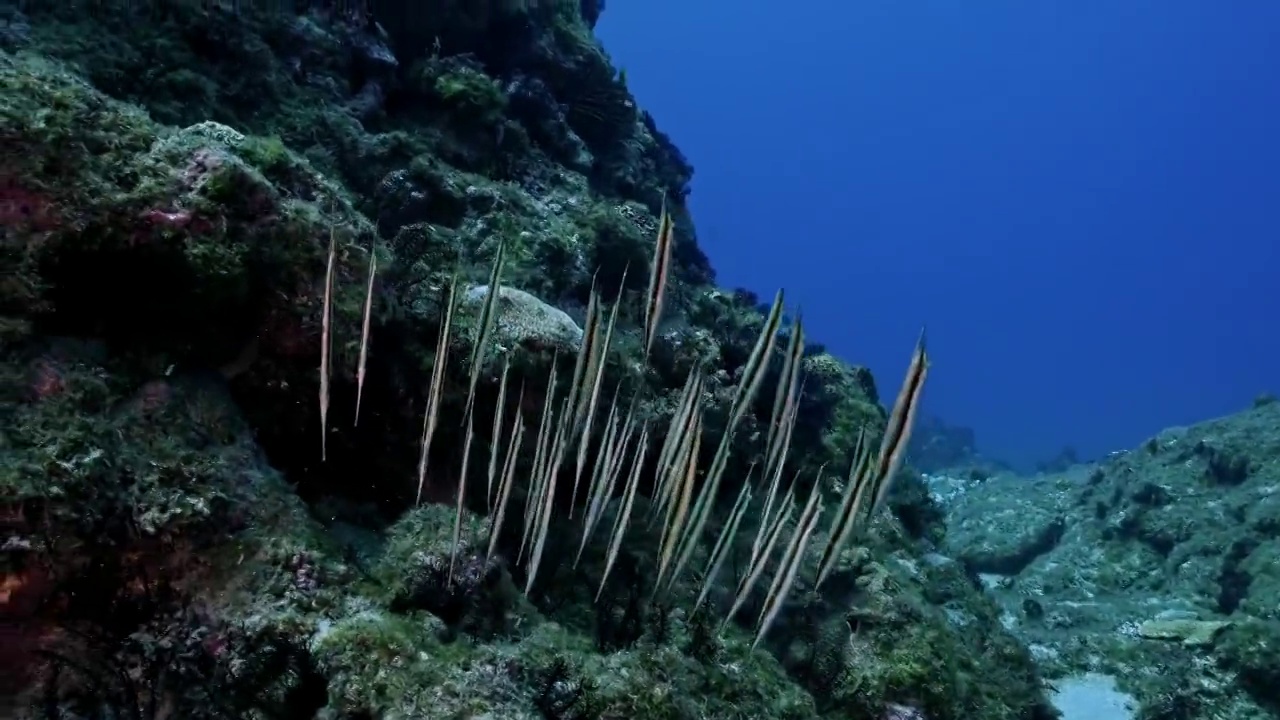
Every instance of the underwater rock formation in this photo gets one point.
(198, 204)
(1159, 566)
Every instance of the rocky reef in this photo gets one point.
(175, 541)
(1156, 570)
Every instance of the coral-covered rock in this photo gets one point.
(525, 321)
(209, 276)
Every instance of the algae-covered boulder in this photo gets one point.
(524, 320)
(844, 400)
(138, 512)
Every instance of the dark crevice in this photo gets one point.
(1233, 580)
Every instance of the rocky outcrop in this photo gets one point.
(525, 321)
(1162, 570)
(163, 312)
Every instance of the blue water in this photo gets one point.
(1082, 202)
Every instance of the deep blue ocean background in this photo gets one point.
(1082, 201)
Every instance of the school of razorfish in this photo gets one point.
(566, 428)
